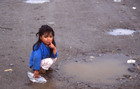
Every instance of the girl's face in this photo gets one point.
(47, 38)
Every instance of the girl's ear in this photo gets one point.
(40, 38)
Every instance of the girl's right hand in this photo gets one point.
(36, 74)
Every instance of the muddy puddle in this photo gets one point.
(105, 69)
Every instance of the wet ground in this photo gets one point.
(84, 45)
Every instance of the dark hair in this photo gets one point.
(42, 30)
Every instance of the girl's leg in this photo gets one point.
(47, 62)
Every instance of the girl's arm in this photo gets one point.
(36, 74)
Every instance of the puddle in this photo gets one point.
(36, 1)
(117, 0)
(105, 69)
(121, 31)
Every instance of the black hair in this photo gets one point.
(44, 29)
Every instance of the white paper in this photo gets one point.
(36, 80)
(131, 61)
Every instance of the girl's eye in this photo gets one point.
(46, 36)
(50, 36)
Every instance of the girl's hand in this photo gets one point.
(52, 45)
(36, 74)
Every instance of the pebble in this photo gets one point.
(127, 76)
(11, 64)
(91, 57)
(100, 55)
(130, 77)
(70, 47)
(51, 23)
(131, 69)
(138, 67)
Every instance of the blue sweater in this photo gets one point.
(37, 55)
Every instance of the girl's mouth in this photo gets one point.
(48, 43)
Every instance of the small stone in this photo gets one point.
(118, 79)
(91, 57)
(78, 82)
(122, 78)
(131, 69)
(134, 64)
(11, 64)
(51, 23)
(130, 77)
(127, 76)
(100, 55)
(138, 67)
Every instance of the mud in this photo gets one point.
(80, 28)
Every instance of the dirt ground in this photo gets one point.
(80, 27)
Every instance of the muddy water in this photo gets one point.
(101, 70)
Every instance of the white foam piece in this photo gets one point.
(134, 8)
(121, 31)
(131, 61)
(36, 1)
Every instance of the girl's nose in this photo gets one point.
(48, 39)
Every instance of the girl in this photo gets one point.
(44, 52)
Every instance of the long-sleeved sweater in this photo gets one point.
(36, 56)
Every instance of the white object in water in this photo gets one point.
(134, 8)
(131, 61)
(37, 1)
(121, 31)
(36, 80)
(117, 0)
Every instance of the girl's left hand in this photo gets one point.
(52, 45)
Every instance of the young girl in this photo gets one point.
(44, 52)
